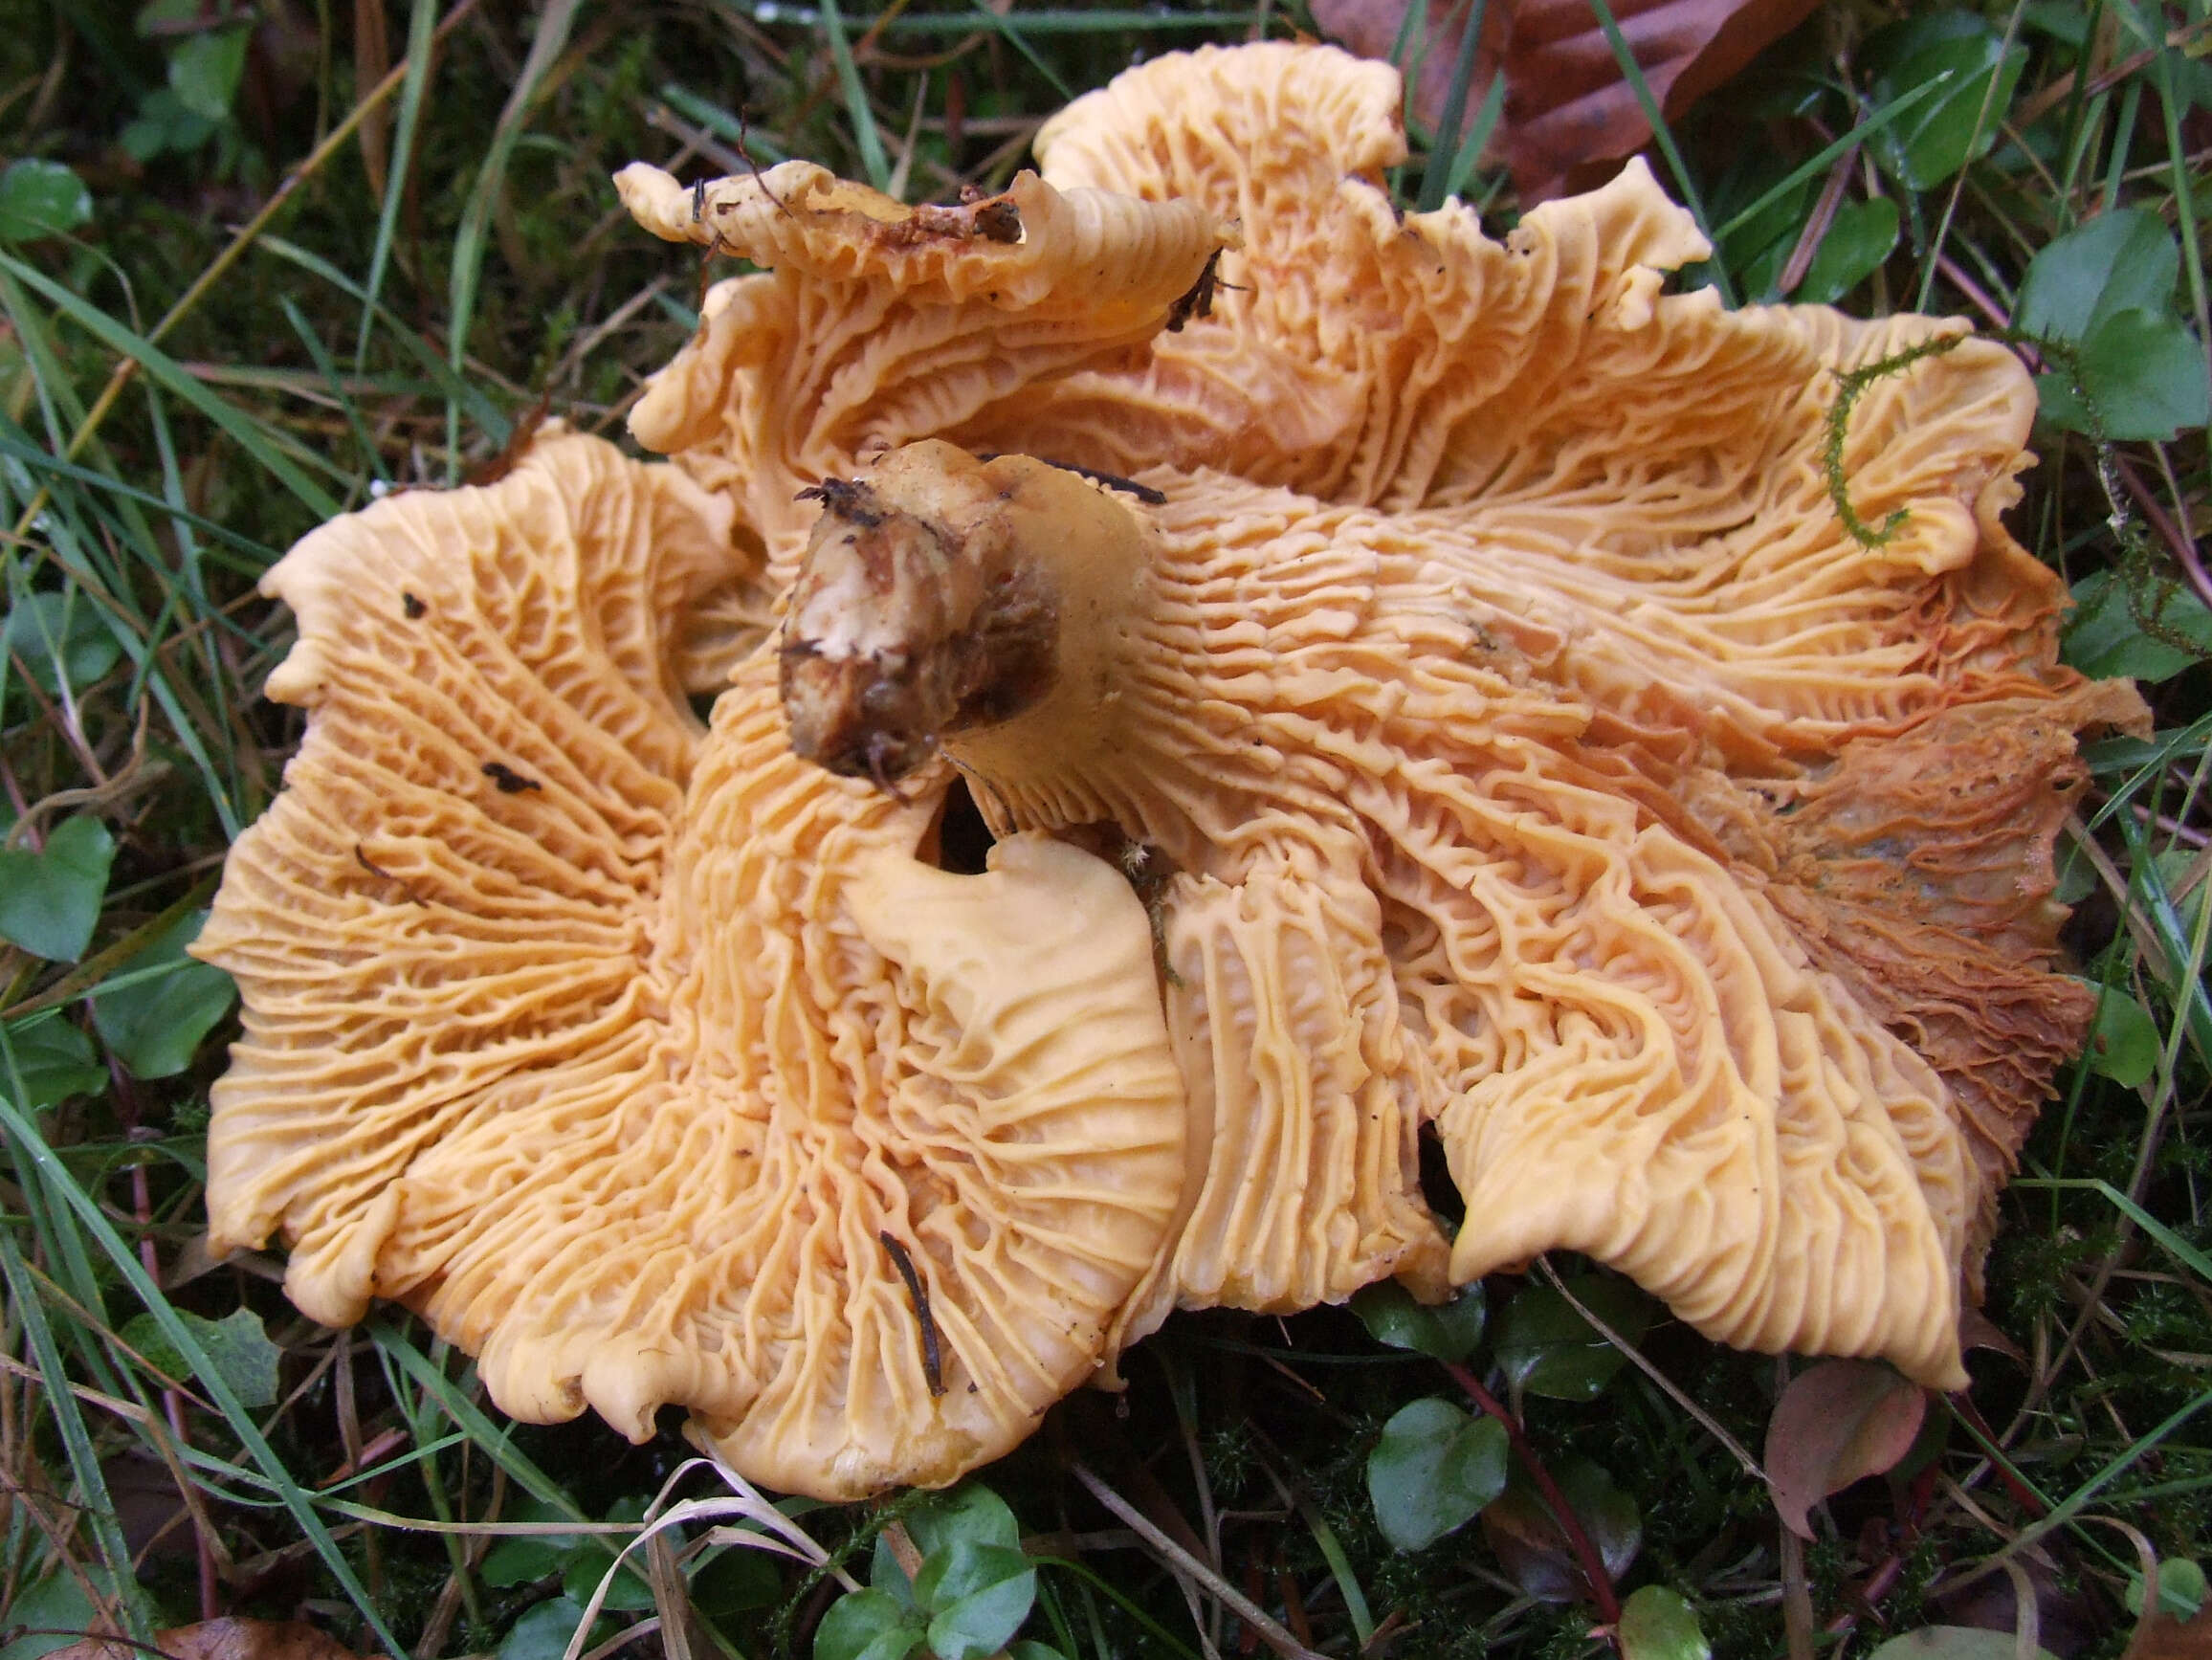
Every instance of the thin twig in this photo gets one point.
(1272, 1634)
(1637, 1357)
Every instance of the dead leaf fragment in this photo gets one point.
(224, 1639)
(1838, 1421)
(1566, 102)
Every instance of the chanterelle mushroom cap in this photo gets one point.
(1458, 649)
(650, 1065)
(1500, 629)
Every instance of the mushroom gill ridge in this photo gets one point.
(648, 1064)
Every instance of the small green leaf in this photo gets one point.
(523, 1558)
(526, 1560)
(2181, 1589)
(60, 636)
(868, 1626)
(544, 1633)
(629, 1592)
(53, 1059)
(41, 199)
(977, 1597)
(1958, 122)
(205, 70)
(2145, 374)
(1953, 1643)
(236, 1344)
(2119, 261)
(1449, 1330)
(154, 1021)
(737, 1581)
(1531, 1545)
(1859, 238)
(2124, 1044)
(1434, 1469)
(1548, 1349)
(1657, 1622)
(55, 1603)
(50, 899)
(970, 1512)
(2103, 638)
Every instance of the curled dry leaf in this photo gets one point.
(1836, 1422)
(1567, 104)
(224, 1639)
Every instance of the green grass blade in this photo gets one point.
(496, 1444)
(1444, 155)
(168, 372)
(126, 1263)
(1632, 73)
(98, 1508)
(422, 25)
(553, 23)
(863, 118)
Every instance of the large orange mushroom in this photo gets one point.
(1415, 682)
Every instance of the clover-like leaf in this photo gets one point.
(59, 637)
(1532, 1546)
(161, 1004)
(544, 1632)
(2124, 1042)
(1657, 1622)
(205, 70)
(2181, 1589)
(737, 1581)
(1548, 1349)
(1432, 1469)
(1449, 1330)
(867, 1625)
(2143, 375)
(2104, 638)
(1958, 122)
(1859, 239)
(236, 1345)
(50, 899)
(52, 1061)
(2123, 260)
(40, 198)
(970, 1514)
(976, 1595)
(1836, 1422)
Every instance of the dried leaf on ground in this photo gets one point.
(1567, 104)
(224, 1639)
(1837, 1422)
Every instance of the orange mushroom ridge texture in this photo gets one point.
(1417, 683)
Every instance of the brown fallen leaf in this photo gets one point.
(226, 1639)
(1836, 1422)
(1567, 104)
(2163, 1637)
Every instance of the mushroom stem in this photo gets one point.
(942, 596)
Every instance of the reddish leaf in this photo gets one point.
(221, 1640)
(1567, 104)
(1977, 1331)
(1838, 1421)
